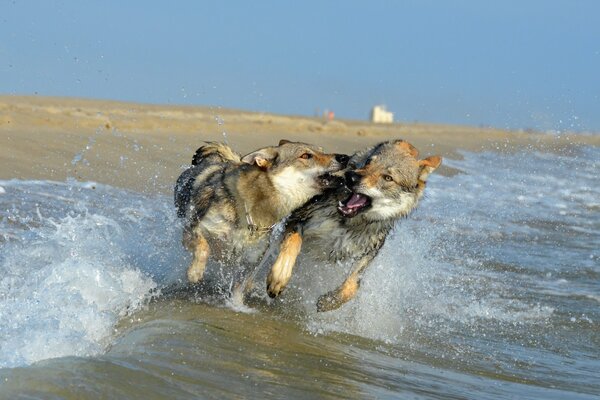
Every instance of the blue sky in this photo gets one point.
(510, 64)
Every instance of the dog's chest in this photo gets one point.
(329, 239)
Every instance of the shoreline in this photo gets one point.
(144, 146)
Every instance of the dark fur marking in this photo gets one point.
(376, 150)
(183, 190)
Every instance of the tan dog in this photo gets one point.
(231, 202)
(383, 184)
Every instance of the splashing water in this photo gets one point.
(70, 267)
(496, 274)
(220, 122)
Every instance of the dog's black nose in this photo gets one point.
(352, 178)
(342, 159)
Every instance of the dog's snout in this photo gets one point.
(342, 159)
(352, 178)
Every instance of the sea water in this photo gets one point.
(491, 289)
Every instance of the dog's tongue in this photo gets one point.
(356, 200)
(353, 205)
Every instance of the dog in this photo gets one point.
(351, 222)
(230, 202)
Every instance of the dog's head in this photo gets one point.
(297, 169)
(386, 180)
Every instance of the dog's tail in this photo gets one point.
(207, 156)
(183, 189)
(216, 152)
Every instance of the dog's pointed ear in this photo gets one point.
(427, 166)
(407, 147)
(284, 141)
(263, 158)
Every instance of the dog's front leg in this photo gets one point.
(347, 290)
(201, 251)
(281, 272)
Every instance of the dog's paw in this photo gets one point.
(274, 286)
(194, 274)
(329, 302)
(281, 272)
(336, 298)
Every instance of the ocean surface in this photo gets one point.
(491, 289)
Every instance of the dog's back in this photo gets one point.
(209, 161)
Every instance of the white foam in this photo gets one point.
(83, 261)
(236, 303)
(408, 289)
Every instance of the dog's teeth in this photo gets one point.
(340, 204)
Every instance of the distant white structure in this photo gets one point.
(380, 115)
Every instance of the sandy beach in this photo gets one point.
(142, 147)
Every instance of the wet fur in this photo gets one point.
(320, 225)
(229, 202)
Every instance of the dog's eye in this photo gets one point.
(388, 178)
(306, 156)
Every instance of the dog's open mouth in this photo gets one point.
(354, 204)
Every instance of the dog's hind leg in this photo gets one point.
(201, 251)
(347, 290)
(281, 271)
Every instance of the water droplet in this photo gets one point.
(77, 158)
